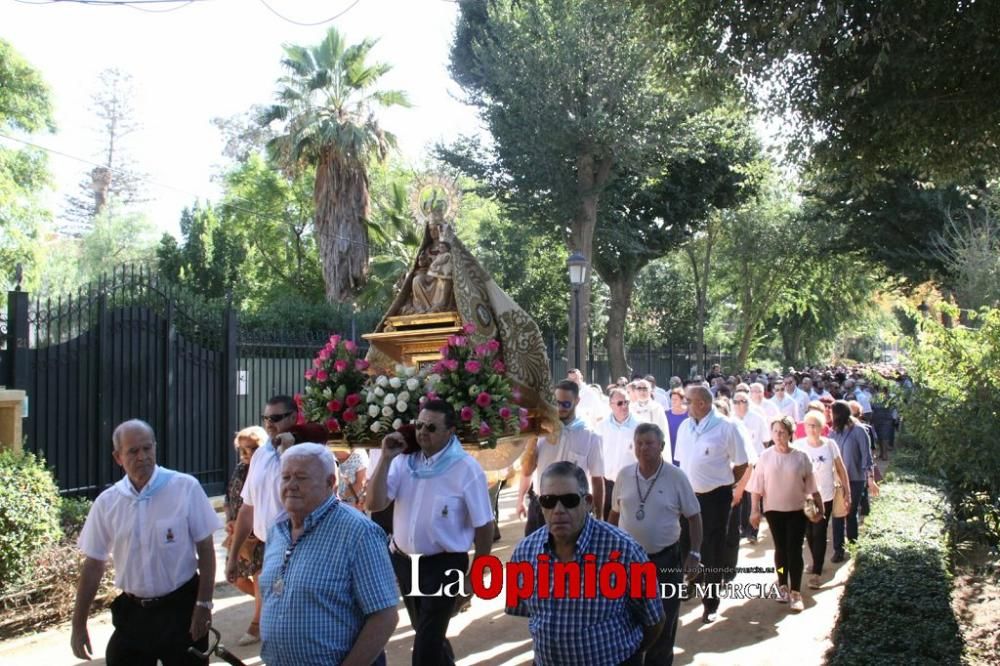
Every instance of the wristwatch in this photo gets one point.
(695, 553)
(205, 604)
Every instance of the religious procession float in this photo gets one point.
(450, 333)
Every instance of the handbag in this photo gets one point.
(813, 512)
(841, 507)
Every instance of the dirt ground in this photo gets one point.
(976, 601)
(748, 631)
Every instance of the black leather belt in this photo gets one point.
(672, 547)
(153, 602)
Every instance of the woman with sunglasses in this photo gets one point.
(783, 479)
(828, 468)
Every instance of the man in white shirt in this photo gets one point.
(759, 433)
(157, 524)
(576, 443)
(442, 509)
(785, 405)
(647, 410)
(712, 455)
(616, 434)
(767, 409)
(592, 407)
(661, 397)
(800, 397)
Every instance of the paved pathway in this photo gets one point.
(750, 631)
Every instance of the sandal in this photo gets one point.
(251, 636)
(782, 597)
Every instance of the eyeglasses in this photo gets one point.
(275, 418)
(620, 403)
(739, 402)
(564, 404)
(430, 427)
(641, 388)
(569, 500)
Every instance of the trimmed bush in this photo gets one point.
(896, 607)
(72, 515)
(29, 514)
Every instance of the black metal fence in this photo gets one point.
(130, 346)
(663, 362)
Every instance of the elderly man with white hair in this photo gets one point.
(329, 592)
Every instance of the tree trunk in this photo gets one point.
(342, 206)
(621, 285)
(700, 271)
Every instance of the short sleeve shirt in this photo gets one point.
(667, 499)
(576, 444)
(784, 479)
(708, 450)
(823, 459)
(150, 534)
(262, 489)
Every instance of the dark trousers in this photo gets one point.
(746, 508)
(535, 518)
(732, 550)
(609, 487)
(715, 510)
(430, 616)
(158, 631)
(816, 538)
(383, 518)
(788, 529)
(850, 521)
(668, 570)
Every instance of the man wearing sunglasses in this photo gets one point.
(593, 629)
(442, 509)
(616, 441)
(576, 443)
(262, 489)
(779, 398)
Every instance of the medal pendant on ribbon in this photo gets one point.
(640, 514)
(278, 586)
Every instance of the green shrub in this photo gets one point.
(29, 514)
(72, 514)
(896, 607)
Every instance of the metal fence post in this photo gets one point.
(17, 340)
(229, 383)
(169, 379)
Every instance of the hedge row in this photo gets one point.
(896, 606)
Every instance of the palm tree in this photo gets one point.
(326, 103)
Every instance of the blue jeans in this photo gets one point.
(851, 520)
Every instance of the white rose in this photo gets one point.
(401, 406)
(389, 399)
(373, 411)
(411, 371)
(387, 411)
(434, 379)
(397, 423)
(370, 396)
(382, 380)
(404, 396)
(395, 382)
(412, 383)
(376, 427)
(379, 392)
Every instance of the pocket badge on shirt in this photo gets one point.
(170, 535)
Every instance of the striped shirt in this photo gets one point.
(598, 631)
(316, 602)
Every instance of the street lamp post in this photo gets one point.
(577, 265)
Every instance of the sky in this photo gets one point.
(217, 58)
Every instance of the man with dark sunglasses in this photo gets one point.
(442, 509)
(616, 441)
(576, 443)
(591, 629)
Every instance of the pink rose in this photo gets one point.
(469, 328)
(473, 366)
(431, 395)
(484, 399)
(524, 424)
(456, 341)
(334, 340)
(317, 362)
(481, 350)
(310, 374)
(333, 406)
(438, 368)
(350, 346)
(324, 353)
(361, 365)
(322, 376)
(352, 400)
(493, 345)
(340, 365)
(505, 413)
(516, 394)
(484, 428)
(444, 350)
(498, 366)
(350, 415)
(333, 425)
(466, 413)
(451, 364)
(522, 412)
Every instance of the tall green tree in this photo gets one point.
(569, 90)
(326, 107)
(25, 107)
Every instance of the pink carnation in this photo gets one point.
(484, 428)
(498, 366)
(310, 374)
(451, 364)
(466, 413)
(350, 415)
(493, 345)
(505, 413)
(333, 406)
(333, 425)
(484, 399)
(352, 400)
(340, 365)
(469, 328)
(322, 375)
(361, 364)
(350, 346)
(473, 366)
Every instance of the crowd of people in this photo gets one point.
(678, 476)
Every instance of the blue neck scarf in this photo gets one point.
(577, 424)
(448, 456)
(710, 421)
(160, 478)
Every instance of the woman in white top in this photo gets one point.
(829, 470)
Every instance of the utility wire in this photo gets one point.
(310, 25)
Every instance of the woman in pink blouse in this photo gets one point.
(783, 477)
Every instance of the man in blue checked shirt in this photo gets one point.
(598, 631)
(329, 592)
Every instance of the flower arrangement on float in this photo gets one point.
(335, 383)
(393, 400)
(473, 379)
